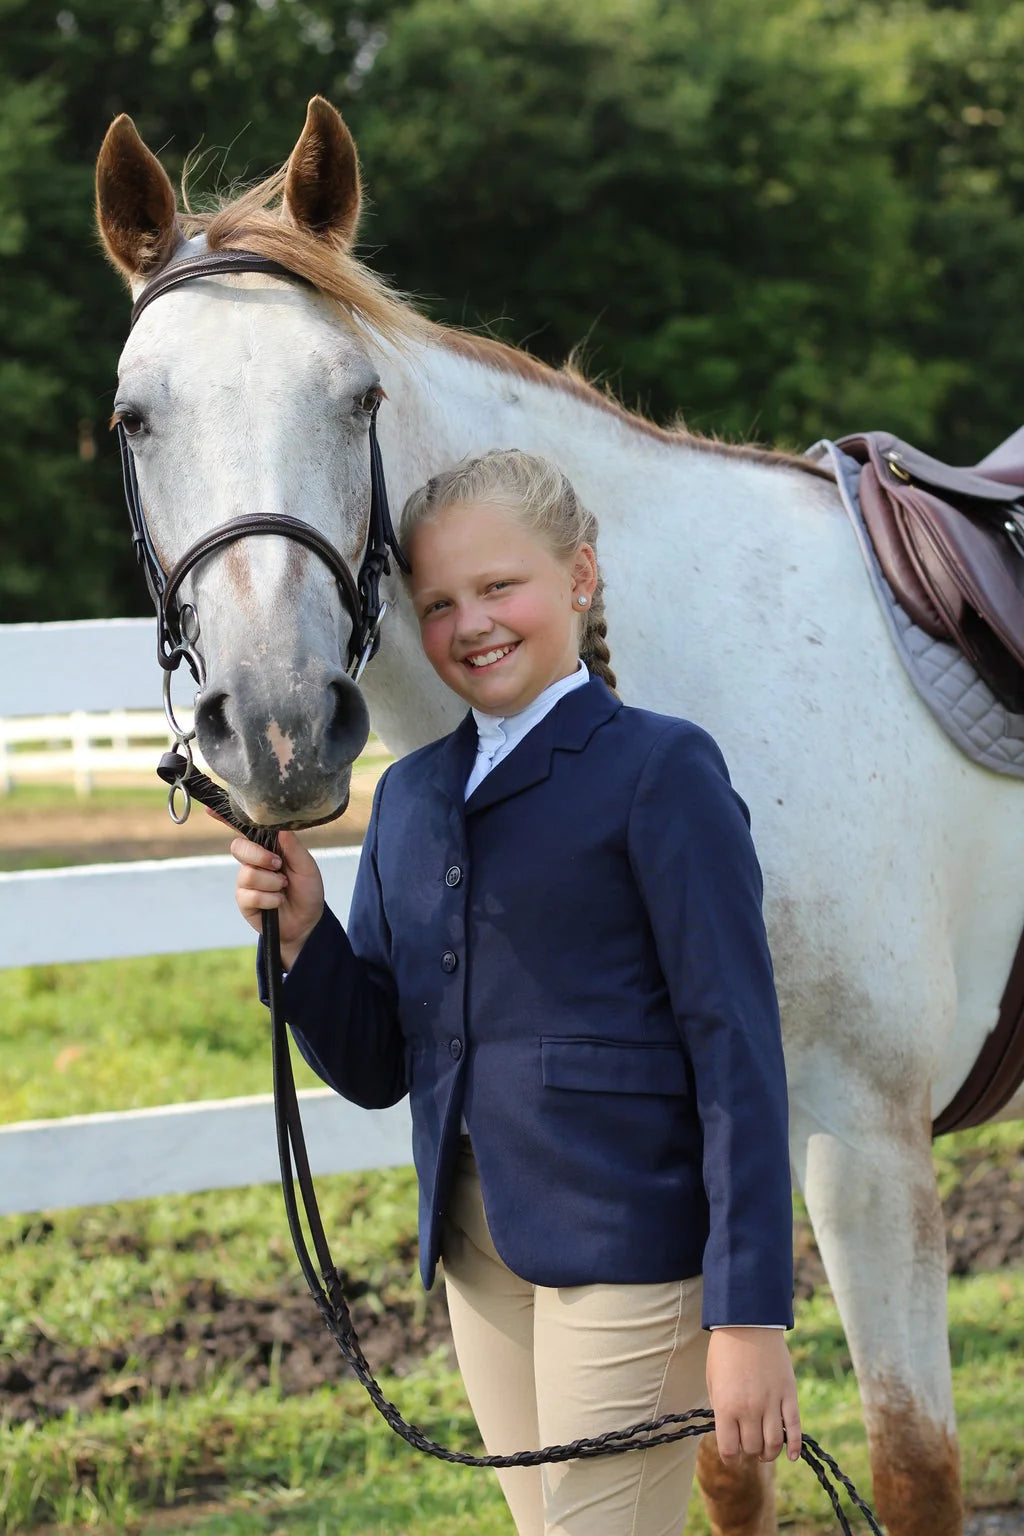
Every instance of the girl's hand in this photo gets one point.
(291, 883)
(753, 1393)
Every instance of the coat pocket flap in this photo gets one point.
(612, 1066)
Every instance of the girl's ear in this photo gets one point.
(584, 576)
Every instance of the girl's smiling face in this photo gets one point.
(499, 615)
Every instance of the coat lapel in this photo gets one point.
(450, 766)
(568, 727)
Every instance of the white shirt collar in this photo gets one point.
(498, 734)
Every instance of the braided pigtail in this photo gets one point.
(593, 641)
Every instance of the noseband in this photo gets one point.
(177, 623)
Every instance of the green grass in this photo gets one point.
(126, 1034)
(324, 1456)
(69, 844)
(105, 1274)
(222, 1462)
(325, 1461)
(37, 799)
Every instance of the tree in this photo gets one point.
(705, 194)
(782, 221)
(230, 80)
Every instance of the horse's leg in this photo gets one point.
(871, 1194)
(739, 1499)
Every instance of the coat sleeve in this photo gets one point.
(340, 995)
(694, 861)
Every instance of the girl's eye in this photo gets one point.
(497, 586)
(434, 607)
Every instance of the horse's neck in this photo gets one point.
(661, 507)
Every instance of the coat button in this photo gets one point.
(453, 876)
(449, 960)
(455, 1049)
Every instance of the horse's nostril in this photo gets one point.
(348, 721)
(212, 721)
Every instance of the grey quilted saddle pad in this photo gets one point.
(961, 702)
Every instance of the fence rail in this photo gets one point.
(112, 911)
(79, 746)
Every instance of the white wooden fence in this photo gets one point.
(79, 746)
(110, 911)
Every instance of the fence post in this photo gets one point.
(80, 753)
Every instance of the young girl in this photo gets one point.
(556, 948)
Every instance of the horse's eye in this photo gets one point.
(131, 421)
(370, 399)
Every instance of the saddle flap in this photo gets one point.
(967, 563)
(897, 460)
(899, 569)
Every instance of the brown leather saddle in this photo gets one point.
(951, 545)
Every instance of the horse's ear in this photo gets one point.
(321, 189)
(135, 205)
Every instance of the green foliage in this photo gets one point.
(714, 197)
(784, 220)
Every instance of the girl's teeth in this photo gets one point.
(492, 656)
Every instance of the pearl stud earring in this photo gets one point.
(582, 601)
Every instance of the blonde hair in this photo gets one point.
(540, 498)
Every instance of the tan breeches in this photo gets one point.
(543, 1366)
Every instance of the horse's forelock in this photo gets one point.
(252, 220)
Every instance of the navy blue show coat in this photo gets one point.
(575, 960)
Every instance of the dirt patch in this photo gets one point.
(280, 1339)
(94, 834)
(276, 1339)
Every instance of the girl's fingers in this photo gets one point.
(262, 880)
(261, 901)
(752, 1437)
(794, 1437)
(727, 1434)
(771, 1436)
(252, 854)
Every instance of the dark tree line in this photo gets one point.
(780, 221)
